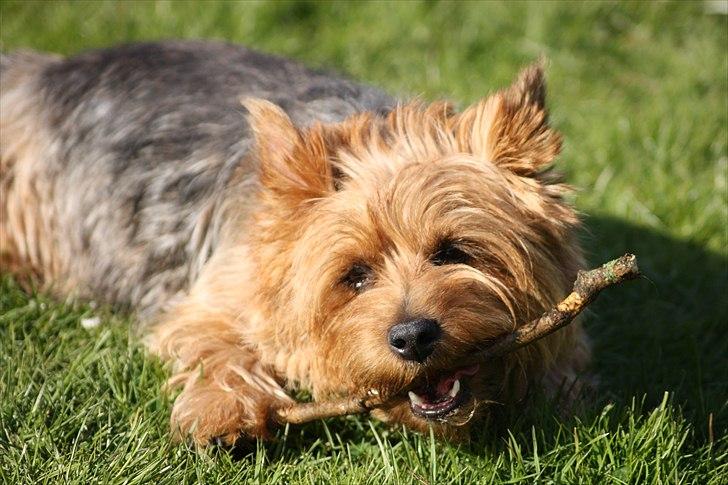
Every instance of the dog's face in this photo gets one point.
(400, 245)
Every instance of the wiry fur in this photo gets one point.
(243, 230)
(26, 223)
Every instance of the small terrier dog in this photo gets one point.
(318, 236)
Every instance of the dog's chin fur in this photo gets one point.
(272, 308)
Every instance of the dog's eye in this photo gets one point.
(358, 277)
(449, 253)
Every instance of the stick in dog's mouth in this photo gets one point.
(438, 402)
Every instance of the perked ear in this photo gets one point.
(292, 164)
(510, 128)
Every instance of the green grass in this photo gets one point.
(640, 91)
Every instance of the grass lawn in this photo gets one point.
(640, 91)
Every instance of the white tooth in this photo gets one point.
(415, 399)
(455, 388)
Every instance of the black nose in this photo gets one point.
(414, 339)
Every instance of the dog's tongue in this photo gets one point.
(445, 384)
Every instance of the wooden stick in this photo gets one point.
(305, 412)
(586, 288)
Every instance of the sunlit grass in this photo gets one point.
(640, 91)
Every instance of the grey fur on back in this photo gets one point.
(144, 140)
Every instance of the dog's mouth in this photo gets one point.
(442, 396)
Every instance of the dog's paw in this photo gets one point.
(208, 414)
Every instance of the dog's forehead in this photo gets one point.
(413, 207)
(429, 188)
(392, 177)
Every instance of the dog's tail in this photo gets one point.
(19, 67)
(19, 99)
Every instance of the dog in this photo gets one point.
(277, 228)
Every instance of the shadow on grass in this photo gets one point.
(664, 333)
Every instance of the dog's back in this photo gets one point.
(114, 162)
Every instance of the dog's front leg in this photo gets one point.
(227, 392)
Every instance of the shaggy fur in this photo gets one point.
(273, 247)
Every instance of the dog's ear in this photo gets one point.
(293, 163)
(510, 128)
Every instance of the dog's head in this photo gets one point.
(392, 247)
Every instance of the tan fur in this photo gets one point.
(269, 312)
(27, 235)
